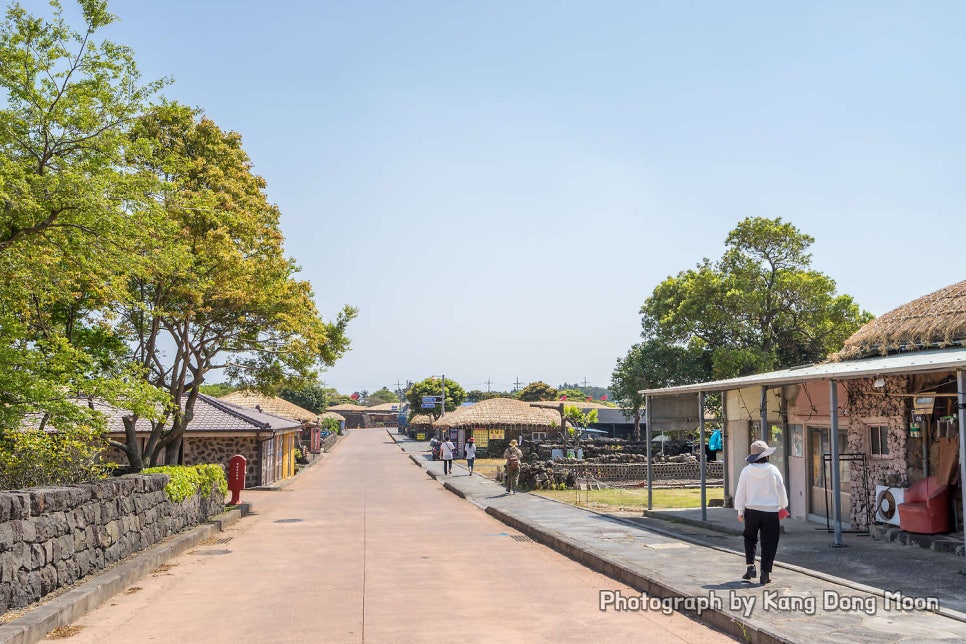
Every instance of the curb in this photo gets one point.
(75, 603)
(719, 619)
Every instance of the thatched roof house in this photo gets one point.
(502, 413)
(271, 405)
(933, 321)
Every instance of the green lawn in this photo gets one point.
(613, 499)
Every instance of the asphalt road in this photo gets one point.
(365, 547)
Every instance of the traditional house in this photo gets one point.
(384, 415)
(355, 415)
(218, 431)
(498, 420)
(309, 441)
(883, 415)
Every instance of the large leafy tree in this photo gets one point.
(654, 364)
(382, 397)
(760, 307)
(536, 391)
(312, 397)
(67, 224)
(218, 291)
(432, 386)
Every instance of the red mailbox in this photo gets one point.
(236, 477)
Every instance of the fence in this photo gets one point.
(638, 471)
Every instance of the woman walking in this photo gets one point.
(513, 456)
(448, 451)
(759, 499)
(470, 449)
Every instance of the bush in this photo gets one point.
(33, 458)
(184, 481)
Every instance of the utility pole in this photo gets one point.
(442, 409)
(516, 385)
(488, 383)
(585, 382)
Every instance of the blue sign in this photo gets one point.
(428, 405)
(431, 399)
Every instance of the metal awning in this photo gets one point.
(905, 363)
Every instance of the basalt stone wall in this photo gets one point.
(216, 449)
(51, 537)
(869, 406)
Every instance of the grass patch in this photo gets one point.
(615, 499)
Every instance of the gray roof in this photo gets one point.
(903, 363)
(210, 415)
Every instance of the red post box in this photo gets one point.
(236, 477)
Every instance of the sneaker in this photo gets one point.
(751, 573)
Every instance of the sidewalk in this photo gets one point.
(698, 565)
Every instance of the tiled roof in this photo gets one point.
(210, 415)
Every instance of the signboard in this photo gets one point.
(431, 399)
(923, 404)
(430, 405)
(496, 434)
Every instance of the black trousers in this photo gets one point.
(768, 525)
(448, 466)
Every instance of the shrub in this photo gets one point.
(33, 458)
(184, 481)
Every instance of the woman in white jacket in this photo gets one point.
(759, 498)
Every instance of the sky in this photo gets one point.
(498, 186)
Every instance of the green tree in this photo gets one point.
(68, 220)
(312, 397)
(218, 292)
(476, 395)
(381, 397)
(574, 395)
(651, 365)
(536, 391)
(455, 395)
(759, 307)
(218, 389)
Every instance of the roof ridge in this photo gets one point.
(227, 408)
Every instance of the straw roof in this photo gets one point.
(385, 407)
(421, 420)
(333, 415)
(348, 407)
(499, 412)
(271, 405)
(933, 321)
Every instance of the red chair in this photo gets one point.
(926, 507)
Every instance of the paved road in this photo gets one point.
(365, 547)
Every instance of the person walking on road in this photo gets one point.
(761, 501)
(470, 449)
(448, 450)
(513, 456)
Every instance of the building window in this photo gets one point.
(539, 436)
(879, 441)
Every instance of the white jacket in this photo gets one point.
(760, 487)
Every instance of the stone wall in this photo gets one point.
(868, 406)
(199, 450)
(638, 471)
(51, 537)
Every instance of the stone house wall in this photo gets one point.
(199, 450)
(867, 406)
(53, 536)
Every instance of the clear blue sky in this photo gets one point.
(499, 185)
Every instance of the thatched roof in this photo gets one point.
(348, 407)
(933, 321)
(333, 415)
(499, 412)
(271, 405)
(386, 407)
(421, 420)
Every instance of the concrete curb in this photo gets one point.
(35, 624)
(720, 619)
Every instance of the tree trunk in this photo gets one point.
(637, 425)
(130, 446)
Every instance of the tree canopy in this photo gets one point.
(760, 307)
(382, 396)
(432, 386)
(536, 391)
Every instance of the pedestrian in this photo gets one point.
(434, 447)
(714, 445)
(448, 450)
(513, 456)
(761, 501)
(470, 449)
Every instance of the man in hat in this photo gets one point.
(470, 450)
(513, 456)
(759, 499)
